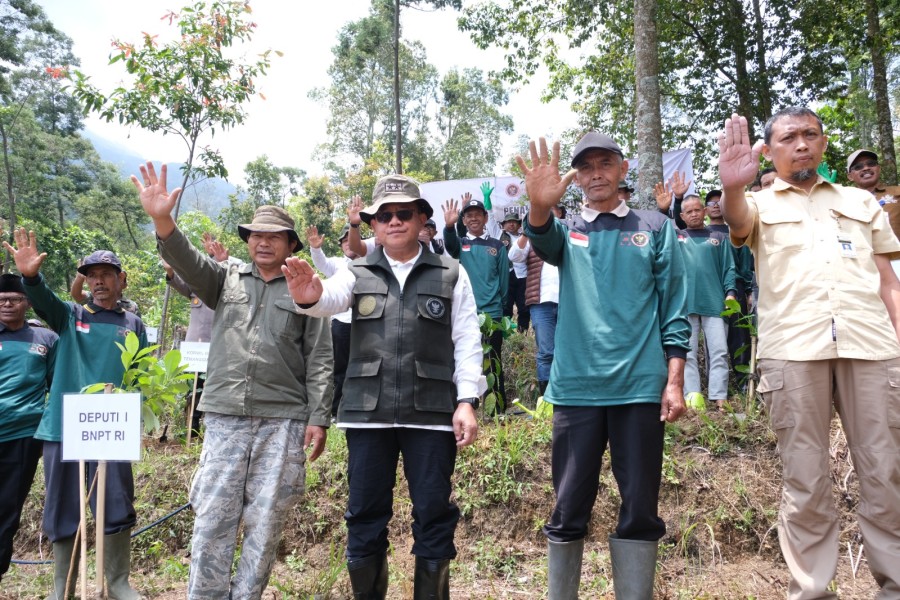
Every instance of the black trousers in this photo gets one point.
(429, 458)
(340, 338)
(739, 337)
(516, 297)
(18, 462)
(580, 435)
(61, 504)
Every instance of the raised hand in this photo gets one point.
(312, 236)
(218, 251)
(738, 160)
(451, 210)
(353, 210)
(486, 191)
(155, 198)
(543, 183)
(28, 259)
(679, 184)
(663, 195)
(304, 285)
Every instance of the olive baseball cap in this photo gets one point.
(594, 140)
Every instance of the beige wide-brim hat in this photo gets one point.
(395, 188)
(271, 219)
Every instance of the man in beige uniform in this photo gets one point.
(829, 317)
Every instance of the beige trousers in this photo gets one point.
(866, 395)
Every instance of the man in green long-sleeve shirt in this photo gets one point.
(710, 278)
(86, 354)
(486, 262)
(621, 339)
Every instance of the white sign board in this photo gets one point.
(101, 427)
(195, 355)
(152, 334)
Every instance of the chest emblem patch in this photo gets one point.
(38, 349)
(578, 239)
(435, 307)
(492, 251)
(640, 239)
(366, 305)
(714, 241)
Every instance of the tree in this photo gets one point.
(648, 118)
(187, 88)
(362, 71)
(18, 18)
(471, 123)
(266, 184)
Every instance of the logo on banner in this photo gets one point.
(513, 190)
(578, 239)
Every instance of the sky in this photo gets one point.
(287, 125)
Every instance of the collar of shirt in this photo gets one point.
(589, 214)
(780, 184)
(94, 309)
(483, 236)
(400, 269)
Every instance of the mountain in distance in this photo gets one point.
(209, 196)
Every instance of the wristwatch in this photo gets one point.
(354, 225)
(475, 402)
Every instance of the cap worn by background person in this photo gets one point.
(473, 203)
(10, 282)
(623, 185)
(100, 257)
(345, 231)
(513, 216)
(594, 140)
(430, 223)
(395, 188)
(852, 158)
(271, 219)
(711, 194)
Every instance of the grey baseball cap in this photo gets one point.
(100, 257)
(594, 140)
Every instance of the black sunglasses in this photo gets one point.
(404, 214)
(869, 164)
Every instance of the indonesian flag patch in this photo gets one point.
(578, 239)
(82, 327)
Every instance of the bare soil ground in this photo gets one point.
(720, 495)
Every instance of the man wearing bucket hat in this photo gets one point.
(86, 354)
(267, 395)
(412, 386)
(617, 378)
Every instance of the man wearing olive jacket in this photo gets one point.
(267, 395)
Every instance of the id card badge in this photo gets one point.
(846, 246)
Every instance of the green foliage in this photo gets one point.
(488, 326)
(160, 381)
(187, 87)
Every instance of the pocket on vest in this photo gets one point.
(362, 385)
(435, 391)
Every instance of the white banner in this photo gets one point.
(508, 191)
(101, 427)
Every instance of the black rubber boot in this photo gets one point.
(369, 577)
(432, 579)
(564, 569)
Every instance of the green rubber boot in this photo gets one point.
(117, 563)
(62, 558)
(633, 568)
(564, 569)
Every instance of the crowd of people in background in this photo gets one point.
(625, 304)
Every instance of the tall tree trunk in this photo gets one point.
(748, 105)
(763, 89)
(888, 157)
(10, 192)
(399, 131)
(648, 119)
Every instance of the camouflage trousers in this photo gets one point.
(251, 470)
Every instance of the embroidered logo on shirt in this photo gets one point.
(38, 349)
(195, 301)
(713, 241)
(578, 239)
(492, 251)
(640, 239)
(82, 327)
(435, 307)
(466, 248)
(682, 238)
(366, 305)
